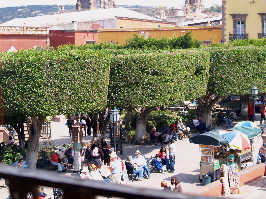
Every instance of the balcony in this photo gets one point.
(261, 35)
(238, 36)
(24, 181)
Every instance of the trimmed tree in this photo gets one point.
(144, 81)
(233, 72)
(39, 83)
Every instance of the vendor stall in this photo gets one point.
(212, 145)
(254, 135)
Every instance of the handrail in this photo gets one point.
(24, 177)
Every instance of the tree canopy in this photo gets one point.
(49, 82)
(157, 78)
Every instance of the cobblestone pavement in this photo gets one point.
(186, 168)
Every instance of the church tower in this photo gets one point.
(94, 4)
(193, 6)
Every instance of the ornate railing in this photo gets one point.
(238, 36)
(261, 35)
(21, 182)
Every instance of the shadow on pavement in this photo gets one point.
(186, 178)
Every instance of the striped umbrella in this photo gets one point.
(236, 140)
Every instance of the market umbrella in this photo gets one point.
(250, 129)
(236, 140)
(209, 138)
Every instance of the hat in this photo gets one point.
(138, 152)
(113, 155)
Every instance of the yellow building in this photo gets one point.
(205, 35)
(244, 19)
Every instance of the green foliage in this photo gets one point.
(161, 119)
(181, 42)
(251, 42)
(49, 82)
(9, 153)
(234, 70)
(157, 78)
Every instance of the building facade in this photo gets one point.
(94, 4)
(17, 38)
(193, 6)
(244, 19)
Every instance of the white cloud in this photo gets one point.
(15, 3)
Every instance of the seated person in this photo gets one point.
(141, 162)
(69, 155)
(20, 163)
(158, 163)
(164, 157)
(56, 161)
(133, 168)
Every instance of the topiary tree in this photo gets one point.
(39, 83)
(233, 71)
(144, 81)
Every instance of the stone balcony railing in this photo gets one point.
(23, 30)
(21, 182)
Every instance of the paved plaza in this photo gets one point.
(186, 168)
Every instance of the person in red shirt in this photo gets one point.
(164, 156)
(55, 161)
(251, 112)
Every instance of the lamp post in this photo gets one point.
(115, 119)
(254, 93)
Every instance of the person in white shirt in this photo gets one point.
(140, 161)
(116, 168)
(172, 152)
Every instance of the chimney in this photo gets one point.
(75, 25)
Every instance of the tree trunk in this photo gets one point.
(244, 106)
(140, 129)
(206, 117)
(33, 141)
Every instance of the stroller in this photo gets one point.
(155, 165)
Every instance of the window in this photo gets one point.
(263, 24)
(239, 26)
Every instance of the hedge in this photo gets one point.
(157, 79)
(49, 82)
(234, 70)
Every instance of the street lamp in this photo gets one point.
(115, 119)
(254, 92)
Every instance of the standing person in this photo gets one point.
(115, 168)
(251, 112)
(141, 162)
(70, 123)
(106, 151)
(172, 152)
(77, 146)
(89, 125)
(262, 114)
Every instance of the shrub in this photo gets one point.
(182, 42)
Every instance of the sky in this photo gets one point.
(167, 3)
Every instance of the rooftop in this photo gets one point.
(81, 16)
